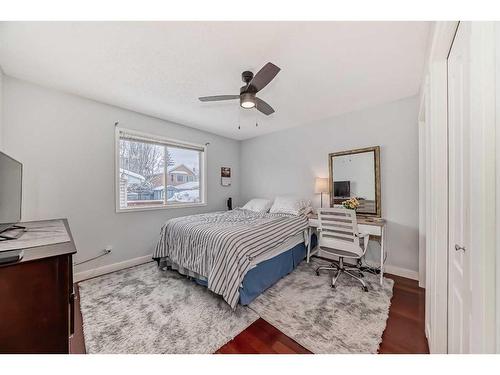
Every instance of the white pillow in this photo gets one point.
(291, 205)
(258, 205)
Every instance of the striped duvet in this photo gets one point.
(221, 245)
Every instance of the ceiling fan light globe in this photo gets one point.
(247, 105)
(247, 101)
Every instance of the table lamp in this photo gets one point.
(321, 186)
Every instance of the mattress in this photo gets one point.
(221, 247)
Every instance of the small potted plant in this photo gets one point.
(351, 204)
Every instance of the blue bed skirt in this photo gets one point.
(267, 273)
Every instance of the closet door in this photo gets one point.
(459, 192)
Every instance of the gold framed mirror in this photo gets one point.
(356, 173)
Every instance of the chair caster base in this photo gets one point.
(317, 273)
(365, 288)
(334, 287)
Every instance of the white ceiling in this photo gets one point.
(160, 68)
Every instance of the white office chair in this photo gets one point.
(339, 236)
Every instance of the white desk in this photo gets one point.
(373, 228)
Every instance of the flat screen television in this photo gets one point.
(11, 180)
(342, 188)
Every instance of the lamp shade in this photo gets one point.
(321, 185)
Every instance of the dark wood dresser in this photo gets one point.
(37, 300)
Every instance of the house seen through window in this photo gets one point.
(156, 172)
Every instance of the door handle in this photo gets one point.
(457, 248)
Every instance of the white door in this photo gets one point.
(459, 190)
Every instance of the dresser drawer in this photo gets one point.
(374, 230)
(35, 306)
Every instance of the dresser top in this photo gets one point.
(46, 251)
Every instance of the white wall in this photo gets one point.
(66, 144)
(1, 106)
(287, 162)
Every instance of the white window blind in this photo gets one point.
(139, 137)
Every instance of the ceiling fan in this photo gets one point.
(253, 84)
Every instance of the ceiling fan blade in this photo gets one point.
(263, 107)
(263, 77)
(218, 97)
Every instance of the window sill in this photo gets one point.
(164, 207)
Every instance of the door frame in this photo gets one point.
(422, 207)
(497, 58)
(434, 102)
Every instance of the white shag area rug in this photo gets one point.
(324, 320)
(145, 310)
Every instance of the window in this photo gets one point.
(145, 162)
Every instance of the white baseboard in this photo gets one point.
(84, 275)
(403, 272)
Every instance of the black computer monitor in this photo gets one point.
(342, 188)
(11, 180)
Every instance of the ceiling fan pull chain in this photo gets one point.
(239, 119)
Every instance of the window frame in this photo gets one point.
(166, 141)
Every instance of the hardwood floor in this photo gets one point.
(404, 332)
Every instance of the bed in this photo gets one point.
(236, 254)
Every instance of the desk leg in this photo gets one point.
(308, 244)
(382, 253)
